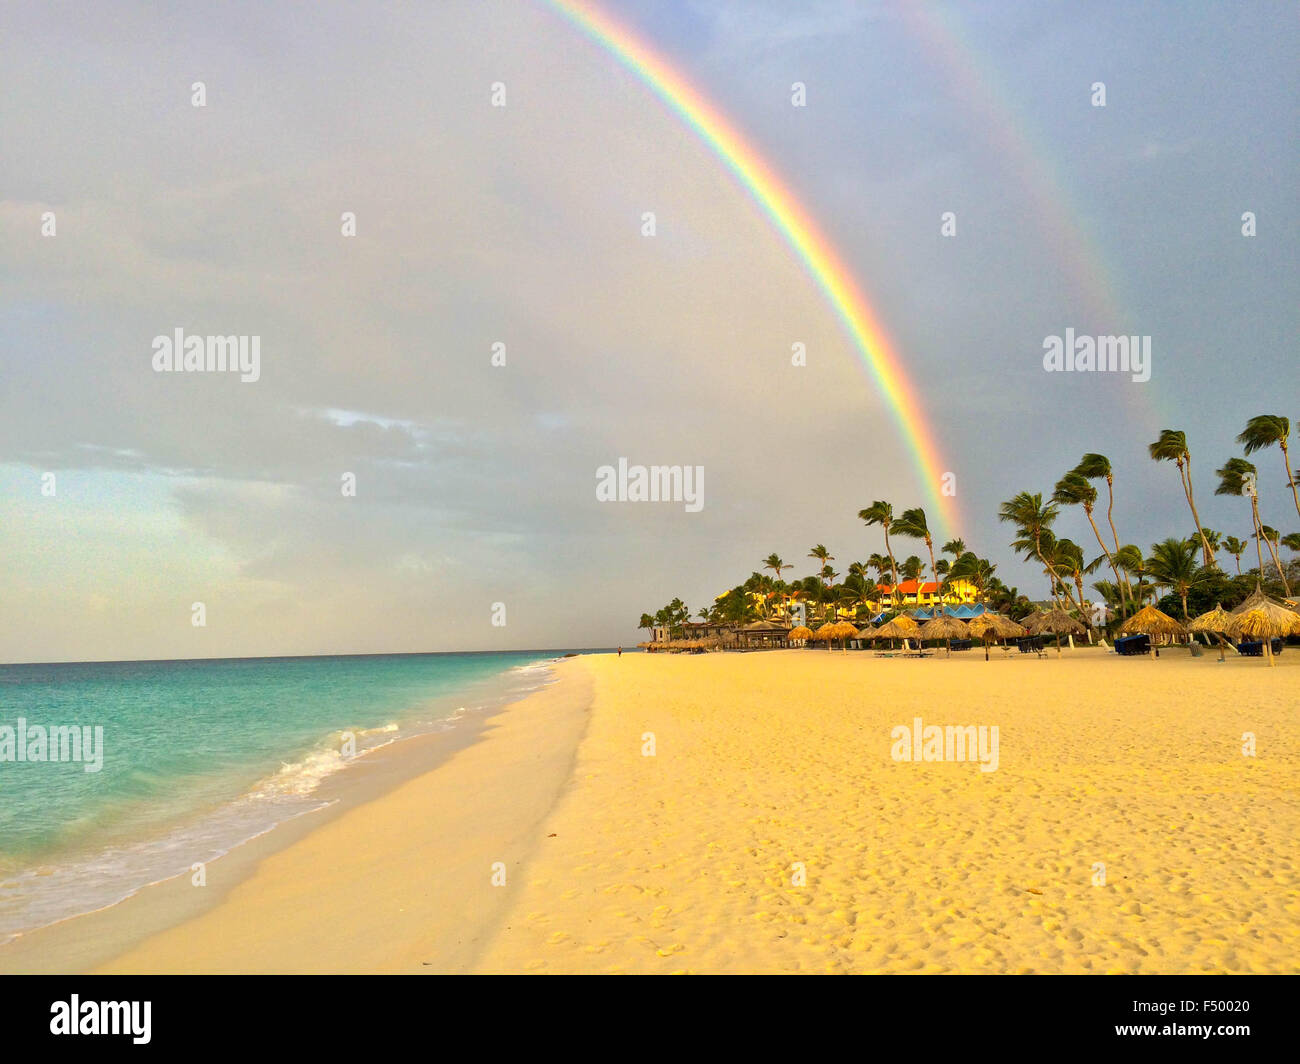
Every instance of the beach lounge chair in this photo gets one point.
(1133, 644)
(1255, 648)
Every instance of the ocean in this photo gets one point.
(199, 756)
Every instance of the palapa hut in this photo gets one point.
(991, 625)
(1150, 621)
(763, 634)
(945, 628)
(1216, 623)
(901, 627)
(1259, 617)
(1053, 622)
(800, 634)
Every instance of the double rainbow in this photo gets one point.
(799, 230)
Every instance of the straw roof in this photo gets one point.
(898, 628)
(1150, 621)
(995, 625)
(841, 630)
(801, 633)
(823, 632)
(867, 631)
(1054, 621)
(945, 628)
(1216, 620)
(1263, 620)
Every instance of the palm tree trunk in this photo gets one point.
(893, 570)
(1110, 519)
(1278, 563)
(1259, 534)
(1286, 460)
(1207, 555)
(1109, 557)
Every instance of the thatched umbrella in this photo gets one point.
(823, 632)
(1216, 623)
(800, 633)
(1150, 621)
(945, 628)
(843, 631)
(1054, 622)
(901, 627)
(989, 624)
(866, 632)
(1259, 617)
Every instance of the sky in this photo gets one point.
(523, 225)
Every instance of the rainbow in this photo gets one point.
(797, 227)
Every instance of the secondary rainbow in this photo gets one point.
(799, 230)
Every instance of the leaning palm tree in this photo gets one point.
(913, 525)
(1236, 548)
(1265, 431)
(911, 567)
(1171, 446)
(955, 547)
(1237, 477)
(1172, 565)
(1074, 489)
(882, 513)
(1291, 542)
(1097, 467)
(1031, 518)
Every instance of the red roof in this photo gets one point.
(910, 587)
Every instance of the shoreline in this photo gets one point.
(100, 938)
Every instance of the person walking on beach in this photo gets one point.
(620, 652)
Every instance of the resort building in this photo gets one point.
(915, 593)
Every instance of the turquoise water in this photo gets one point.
(199, 756)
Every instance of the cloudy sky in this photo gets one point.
(522, 225)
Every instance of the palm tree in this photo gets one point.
(911, 567)
(1213, 538)
(1130, 561)
(1237, 477)
(1171, 446)
(1031, 518)
(955, 547)
(1291, 541)
(1236, 548)
(773, 561)
(882, 513)
(1067, 557)
(1074, 489)
(912, 524)
(822, 555)
(1265, 431)
(1173, 565)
